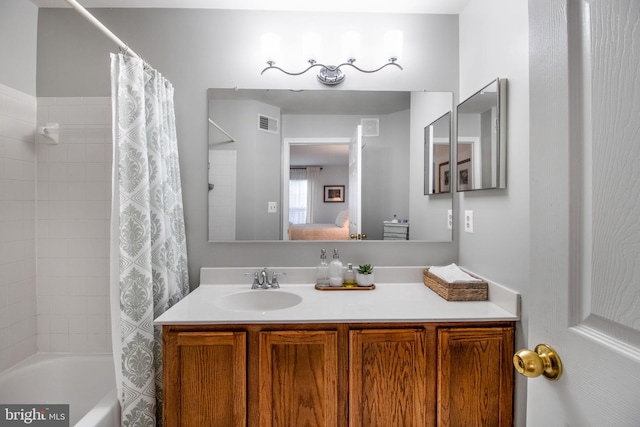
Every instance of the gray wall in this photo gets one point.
(326, 213)
(18, 23)
(494, 42)
(200, 49)
(258, 164)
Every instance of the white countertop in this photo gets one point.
(389, 302)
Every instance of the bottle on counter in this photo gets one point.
(350, 276)
(322, 270)
(335, 270)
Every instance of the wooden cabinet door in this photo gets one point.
(388, 385)
(475, 377)
(298, 378)
(205, 379)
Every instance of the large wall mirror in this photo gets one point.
(481, 139)
(321, 165)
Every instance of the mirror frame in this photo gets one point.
(499, 158)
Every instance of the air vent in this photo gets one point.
(370, 127)
(267, 124)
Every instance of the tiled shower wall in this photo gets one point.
(17, 226)
(73, 210)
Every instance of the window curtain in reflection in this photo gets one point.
(297, 196)
(148, 241)
(313, 179)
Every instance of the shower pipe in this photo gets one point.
(99, 25)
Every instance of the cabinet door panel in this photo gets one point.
(298, 378)
(388, 378)
(475, 377)
(212, 372)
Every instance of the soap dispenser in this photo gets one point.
(335, 270)
(350, 276)
(322, 270)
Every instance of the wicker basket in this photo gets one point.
(457, 291)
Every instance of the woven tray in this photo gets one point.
(458, 291)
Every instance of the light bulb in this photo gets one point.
(393, 45)
(271, 47)
(351, 45)
(312, 46)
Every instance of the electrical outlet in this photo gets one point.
(468, 221)
(450, 219)
(272, 207)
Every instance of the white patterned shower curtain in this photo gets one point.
(148, 242)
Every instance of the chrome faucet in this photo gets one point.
(261, 279)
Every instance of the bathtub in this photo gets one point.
(85, 382)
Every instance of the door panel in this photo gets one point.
(475, 388)
(298, 378)
(209, 364)
(585, 204)
(388, 384)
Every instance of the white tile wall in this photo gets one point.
(17, 227)
(73, 208)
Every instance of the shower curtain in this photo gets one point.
(148, 242)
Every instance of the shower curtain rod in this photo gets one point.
(99, 25)
(231, 139)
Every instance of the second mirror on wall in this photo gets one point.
(437, 150)
(481, 139)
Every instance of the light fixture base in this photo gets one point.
(330, 75)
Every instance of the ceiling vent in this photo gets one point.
(268, 124)
(370, 127)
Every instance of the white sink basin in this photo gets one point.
(258, 300)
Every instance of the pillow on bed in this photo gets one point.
(343, 218)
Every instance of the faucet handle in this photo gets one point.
(256, 282)
(274, 279)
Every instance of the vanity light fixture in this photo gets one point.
(331, 74)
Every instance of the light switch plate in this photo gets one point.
(272, 207)
(468, 221)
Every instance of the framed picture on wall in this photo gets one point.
(444, 174)
(464, 175)
(334, 193)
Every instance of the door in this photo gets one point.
(298, 378)
(585, 210)
(205, 379)
(388, 379)
(475, 363)
(355, 183)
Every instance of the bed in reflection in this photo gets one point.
(339, 230)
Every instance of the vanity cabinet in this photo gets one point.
(339, 375)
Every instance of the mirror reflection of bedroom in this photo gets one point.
(318, 191)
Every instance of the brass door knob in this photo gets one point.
(543, 361)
